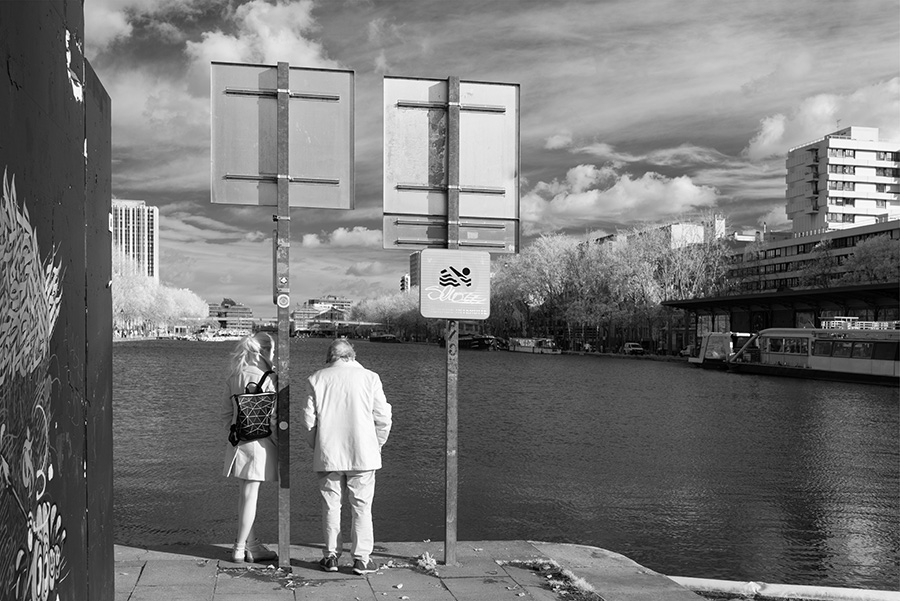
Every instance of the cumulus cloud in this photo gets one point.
(265, 33)
(342, 237)
(876, 105)
(310, 241)
(775, 218)
(366, 268)
(590, 194)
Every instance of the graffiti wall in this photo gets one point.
(55, 310)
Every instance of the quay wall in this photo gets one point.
(56, 530)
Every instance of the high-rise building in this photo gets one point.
(847, 179)
(135, 234)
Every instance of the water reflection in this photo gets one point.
(688, 472)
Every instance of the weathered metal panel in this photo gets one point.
(98, 352)
(45, 423)
(417, 148)
(243, 136)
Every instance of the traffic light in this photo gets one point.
(404, 283)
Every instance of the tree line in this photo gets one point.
(606, 292)
(141, 304)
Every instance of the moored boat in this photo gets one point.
(543, 346)
(717, 347)
(383, 337)
(844, 349)
(477, 342)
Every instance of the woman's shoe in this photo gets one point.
(238, 553)
(256, 552)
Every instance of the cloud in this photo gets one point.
(310, 241)
(266, 33)
(104, 23)
(590, 195)
(775, 218)
(358, 236)
(560, 140)
(875, 105)
(366, 268)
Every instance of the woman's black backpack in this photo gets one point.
(254, 411)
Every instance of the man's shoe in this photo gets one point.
(329, 564)
(363, 567)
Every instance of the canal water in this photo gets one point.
(688, 472)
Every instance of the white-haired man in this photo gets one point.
(348, 420)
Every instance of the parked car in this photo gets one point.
(633, 348)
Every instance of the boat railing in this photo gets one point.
(854, 323)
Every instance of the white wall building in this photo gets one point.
(847, 179)
(135, 234)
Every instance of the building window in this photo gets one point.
(840, 218)
(887, 156)
(886, 172)
(842, 152)
(839, 185)
(880, 204)
(847, 169)
(841, 202)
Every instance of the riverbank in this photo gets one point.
(486, 570)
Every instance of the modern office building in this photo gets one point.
(232, 315)
(135, 234)
(847, 179)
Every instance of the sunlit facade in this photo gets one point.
(135, 234)
(847, 179)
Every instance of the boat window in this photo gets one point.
(886, 351)
(822, 348)
(862, 350)
(775, 345)
(796, 346)
(842, 349)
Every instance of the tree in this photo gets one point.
(875, 259)
(819, 269)
(140, 302)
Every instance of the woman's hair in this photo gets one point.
(248, 351)
(340, 349)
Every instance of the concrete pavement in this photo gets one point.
(487, 570)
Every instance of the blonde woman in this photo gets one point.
(253, 461)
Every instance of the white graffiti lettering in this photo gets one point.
(447, 294)
(39, 564)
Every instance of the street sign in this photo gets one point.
(244, 107)
(419, 158)
(455, 284)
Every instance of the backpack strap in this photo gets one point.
(262, 380)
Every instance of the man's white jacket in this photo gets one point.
(347, 418)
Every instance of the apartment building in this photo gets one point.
(846, 179)
(776, 263)
(135, 234)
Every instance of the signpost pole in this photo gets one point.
(452, 472)
(282, 300)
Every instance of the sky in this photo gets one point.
(632, 112)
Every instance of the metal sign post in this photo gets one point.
(253, 157)
(452, 405)
(437, 196)
(283, 302)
